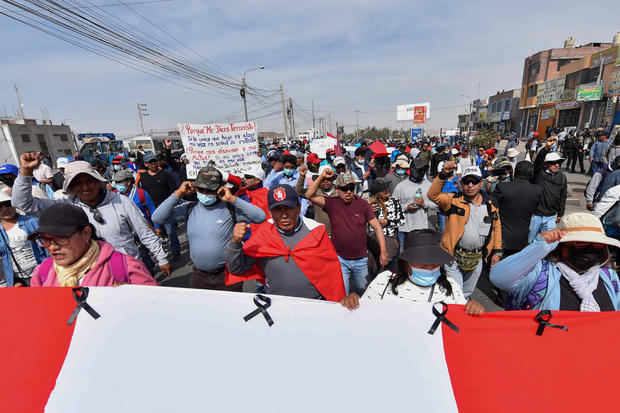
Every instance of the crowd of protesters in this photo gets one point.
(344, 226)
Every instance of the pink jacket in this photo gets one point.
(100, 275)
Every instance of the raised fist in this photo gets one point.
(29, 161)
(239, 232)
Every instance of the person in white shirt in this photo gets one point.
(419, 277)
(607, 202)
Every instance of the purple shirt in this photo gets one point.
(348, 226)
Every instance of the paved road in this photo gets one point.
(575, 203)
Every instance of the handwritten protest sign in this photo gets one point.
(320, 146)
(232, 146)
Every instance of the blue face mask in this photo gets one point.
(206, 200)
(424, 278)
(122, 188)
(116, 167)
(289, 172)
(132, 160)
(400, 172)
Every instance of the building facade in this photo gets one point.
(26, 135)
(503, 113)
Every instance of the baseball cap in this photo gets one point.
(4, 196)
(60, 219)
(378, 186)
(465, 148)
(512, 153)
(122, 175)
(344, 179)
(330, 150)
(472, 171)
(149, 157)
(454, 151)
(339, 160)
(256, 171)
(9, 169)
(75, 168)
(313, 158)
(553, 157)
(208, 178)
(117, 159)
(282, 195)
(274, 156)
(62, 162)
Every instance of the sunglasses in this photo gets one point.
(470, 181)
(554, 163)
(5, 204)
(248, 177)
(60, 241)
(348, 188)
(97, 215)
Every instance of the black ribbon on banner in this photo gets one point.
(441, 318)
(81, 294)
(543, 318)
(263, 304)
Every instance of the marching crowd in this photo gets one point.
(350, 227)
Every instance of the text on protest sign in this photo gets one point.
(232, 146)
(320, 146)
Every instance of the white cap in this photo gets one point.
(62, 162)
(553, 156)
(322, 168)
(472, 171)
(454, 151)
(512, 153)
(339, 160)
(257, 172)
(4, 196)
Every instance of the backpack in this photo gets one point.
(117, 265)
(539, 290)
(142, 199)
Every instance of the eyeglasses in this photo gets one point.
(203, 190)
(97, 215)
(5, 204)
(60, 241)
(480, 150)
(470, 181)
(348, 188)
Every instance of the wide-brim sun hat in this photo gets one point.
(4, 196)
(585, 227)
(553, 157)
(423, 248)
(76, 168)
(512, 153)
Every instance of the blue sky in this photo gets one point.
(369, 55)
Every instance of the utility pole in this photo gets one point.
(242, 93)
(598, 83)
(142, 112)
(290, 101)
(19, 100)
(357, 126)
(283, 112)
(313, 121)
(329, 123)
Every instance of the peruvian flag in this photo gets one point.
(338, 147)
(158, 349)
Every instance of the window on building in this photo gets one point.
(534, 68)
(531, 91)
(507, 103)
(68, 152)
(64, 138)
(562, 63)
(570, 117)
(26, 138)
(592, 75)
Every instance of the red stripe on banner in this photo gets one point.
(35, 338)
(497, 363)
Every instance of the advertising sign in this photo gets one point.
(419, 114)
(614, 83)
(550, 91)
(589, 92)
(608, 56)
(232, 146)
(406, 112)
(415, 133)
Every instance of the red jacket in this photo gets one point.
(315, 256)
(257, 197)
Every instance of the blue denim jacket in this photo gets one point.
(518, 273)
(28, 224)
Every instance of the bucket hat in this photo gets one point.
(585, 227)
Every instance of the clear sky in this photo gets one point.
(343, 54)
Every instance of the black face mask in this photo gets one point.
(8, 180)
(417, 175)
(583, 258)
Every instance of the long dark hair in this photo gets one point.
(402, 274)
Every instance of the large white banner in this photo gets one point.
(320, 146)
(232, 146)
(406, 112)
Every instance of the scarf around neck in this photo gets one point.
(70, 275)
(583, 285)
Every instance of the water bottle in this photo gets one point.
(418, 194)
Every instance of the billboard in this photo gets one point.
(589, 92)
(419, 114)
(550, 91)
(406, 112)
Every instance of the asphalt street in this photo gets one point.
(182, 269)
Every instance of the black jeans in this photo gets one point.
(212, 280)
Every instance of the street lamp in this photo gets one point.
(468, 115)
(242, 91)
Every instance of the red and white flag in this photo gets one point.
(157, 349)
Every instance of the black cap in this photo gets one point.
(59, 220)
(282, 195)
(378, 186)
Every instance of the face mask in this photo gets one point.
(424, 278)
(116, 167)
(359, 163)
(289, 172)
(585, 257)
(400, 172)
(132, 160)
(417, 175)
(122, 188)
(331, 158)
(206, 200)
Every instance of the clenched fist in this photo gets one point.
(239, 232)
(29, 161)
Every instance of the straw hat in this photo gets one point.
(585, 227)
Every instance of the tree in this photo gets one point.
(486, 139)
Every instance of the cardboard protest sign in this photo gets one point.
(320, 146)
(232, 146)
